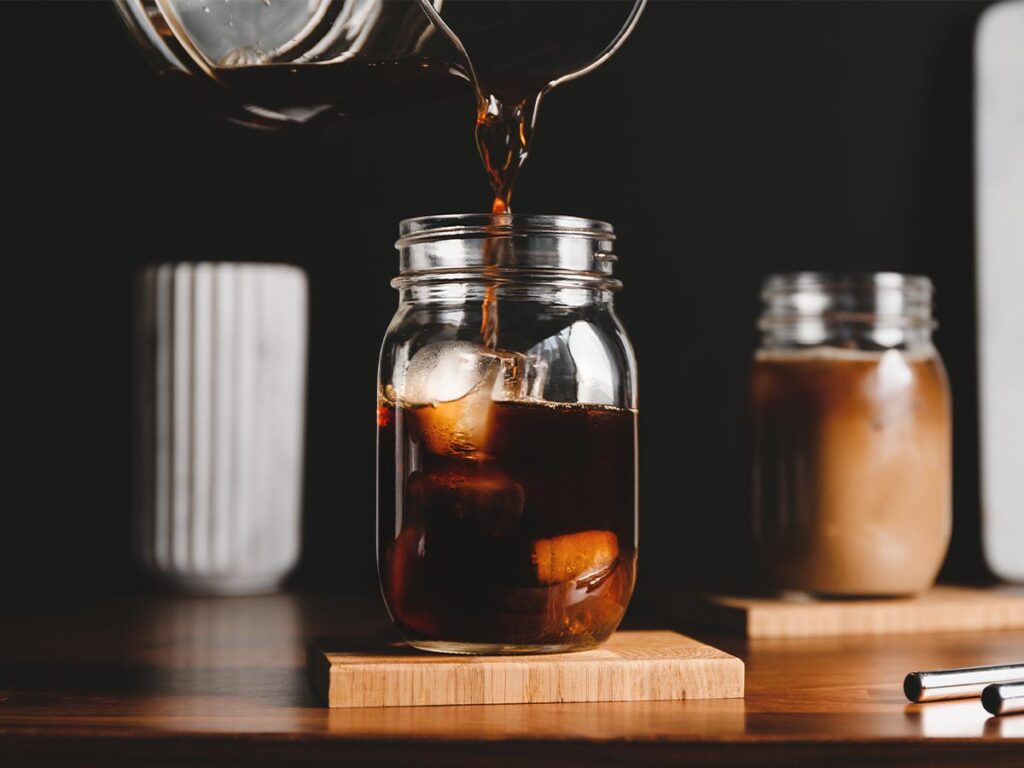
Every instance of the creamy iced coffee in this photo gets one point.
(852, 469)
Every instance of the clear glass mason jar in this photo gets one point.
(851, 436)
(507, 472)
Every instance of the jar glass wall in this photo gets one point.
(851, 436)
(507, 486)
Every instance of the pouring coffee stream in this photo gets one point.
(508, 101)
(506, 116)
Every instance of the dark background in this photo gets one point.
(726, 140)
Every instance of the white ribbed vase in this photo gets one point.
(222, 374)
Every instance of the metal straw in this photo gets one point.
(961, 683)
(1004, 698)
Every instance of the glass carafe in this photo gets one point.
(273, 63)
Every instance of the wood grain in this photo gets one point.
(207, 682)
(943, 609)
(631, 666)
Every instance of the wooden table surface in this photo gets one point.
(157, 680)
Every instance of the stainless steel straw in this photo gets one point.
(961, 683)
(1004, 698)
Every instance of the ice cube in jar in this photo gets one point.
(451, 387)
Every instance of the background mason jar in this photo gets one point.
(851, 435)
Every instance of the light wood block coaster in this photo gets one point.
(631, 666)
(942, 609)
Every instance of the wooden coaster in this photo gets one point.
(631, 666)
(942, 609)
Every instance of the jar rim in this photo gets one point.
(789, 281)
(520, 247)
(448, 226)
(887, 298)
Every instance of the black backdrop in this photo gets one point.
(726, 140)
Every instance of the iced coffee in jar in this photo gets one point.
(507, 455)
(851, 436)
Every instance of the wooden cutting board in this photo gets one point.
(631, 666)
(942, 609)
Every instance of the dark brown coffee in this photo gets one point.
(528, 539)
(504, 129)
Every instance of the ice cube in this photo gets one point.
(454, 384)
(469, 516)
(484, 500)
(582, 556)
(566, 609)
(447, 371)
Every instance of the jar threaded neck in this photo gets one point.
(858, 310)
(506, 246)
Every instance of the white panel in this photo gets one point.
(1000, 200)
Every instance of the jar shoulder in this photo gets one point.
(562, 353)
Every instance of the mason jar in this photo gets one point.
(506, 430)
(851, 436)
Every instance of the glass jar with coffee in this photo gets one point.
(851, 436)
(507, 455)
